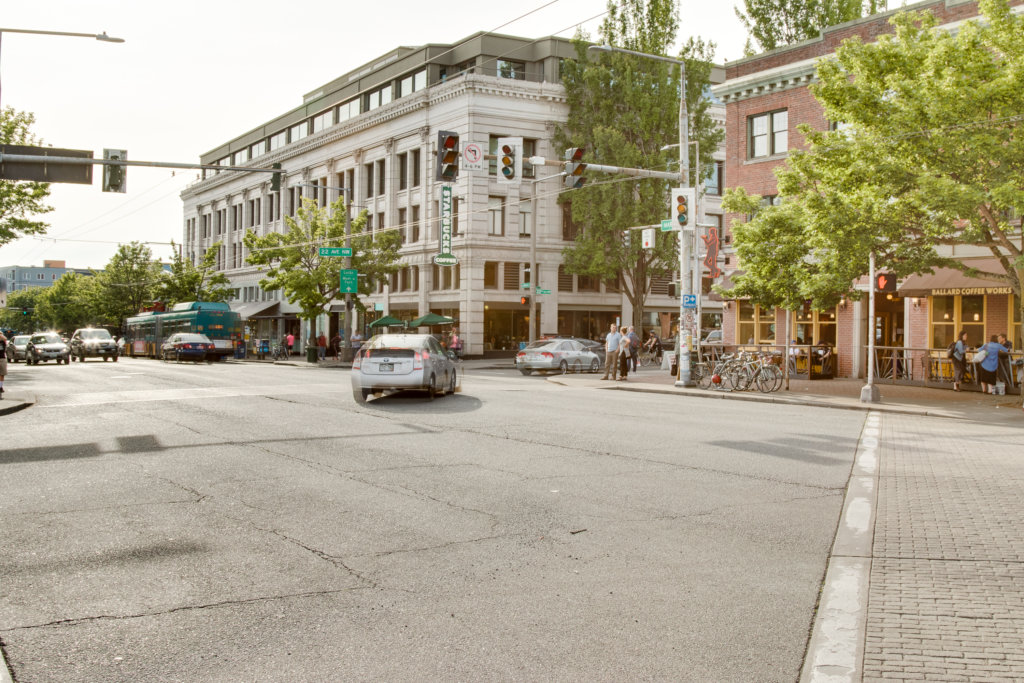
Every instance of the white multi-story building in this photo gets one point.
(375, 130)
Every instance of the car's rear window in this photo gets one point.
(384, 352)
(95, 334)
(21, 339)
(194, 338)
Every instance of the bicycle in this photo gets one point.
(713, 375)
(280, 352)
(647, 358)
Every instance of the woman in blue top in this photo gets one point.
(987, 371)
(959, 359)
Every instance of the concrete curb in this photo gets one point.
(15, 405)
(835, 652)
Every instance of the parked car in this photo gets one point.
(403, 361)
(46, 346)
(557, 355)
(93, 342)
(16, 347)
(713, 337)
(589, 344)
(188, 346)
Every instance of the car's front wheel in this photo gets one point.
(595, 366)
(432, 388)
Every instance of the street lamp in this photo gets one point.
(98, 36)
(685, 337)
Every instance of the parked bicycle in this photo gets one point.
(280, 352)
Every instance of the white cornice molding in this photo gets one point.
(425, 99)
(786, 77)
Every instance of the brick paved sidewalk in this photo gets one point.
(946, 598)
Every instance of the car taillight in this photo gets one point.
(547, 354)
(418, 361)
(521, 354)
(357, 362)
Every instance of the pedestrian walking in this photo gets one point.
(987, 360)
(1005, 367)
(611, 352)
(3, 362)
(634, 347)
(321, 343)
(455, 343)
(625, 353)
(336, 345)
(959, 359)
(291, 342)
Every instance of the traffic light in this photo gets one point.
(24, 311)
(684, 207)
(625, 239)
(885, 282)
(524, 300)
(114, 176)
(574, 168)
(275, 178)
(447, 156)
(510, 160)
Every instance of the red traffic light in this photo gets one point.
(524, 300)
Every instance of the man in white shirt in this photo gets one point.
(611, 352)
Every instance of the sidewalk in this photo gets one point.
(833, 393)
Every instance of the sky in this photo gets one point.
(192, 75)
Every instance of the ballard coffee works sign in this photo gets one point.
(971, 291)
(446, 257)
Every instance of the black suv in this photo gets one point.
(93, 342)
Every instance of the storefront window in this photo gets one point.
(745, 323)
(765, 325)
(813, 327)
(950, 314)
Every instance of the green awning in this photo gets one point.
(431, 319)
(387, 321)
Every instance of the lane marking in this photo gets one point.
(835, 653)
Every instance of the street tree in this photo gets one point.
(129, 282)
(70, 303)
(20, 200)
(929, 155)
(188, 281)
(623, 110)
(21, 313)
(776, 23)
(312, 281)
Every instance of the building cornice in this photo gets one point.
(797, 75)
(431, 97)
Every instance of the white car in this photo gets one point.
(403, 361)
(557, 355)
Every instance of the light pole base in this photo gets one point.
(682, 383)
(869, 394)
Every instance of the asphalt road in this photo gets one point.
(239, 522)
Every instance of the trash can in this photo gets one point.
(311, 354)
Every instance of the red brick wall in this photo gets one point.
(868, 29)
(845, 325)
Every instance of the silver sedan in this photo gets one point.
(403, 361)
(557, 355)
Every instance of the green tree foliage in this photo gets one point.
(129, 282)
(20, 200)
(312, 281)
(776, 23)
(622, 110)
(190, 282)
(11, 318)
(70, 303)
(930, 156)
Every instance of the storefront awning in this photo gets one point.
(251, 309)
(950, 281)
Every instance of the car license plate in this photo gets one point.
(386, 367)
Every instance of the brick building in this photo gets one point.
(766, 97)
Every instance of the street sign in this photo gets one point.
(379, 306)
(526, 285)
(473, 157)
(648, 238)
(543, 291)
(666, 225)
(689, 301)
(349, 281)
(335, 251)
